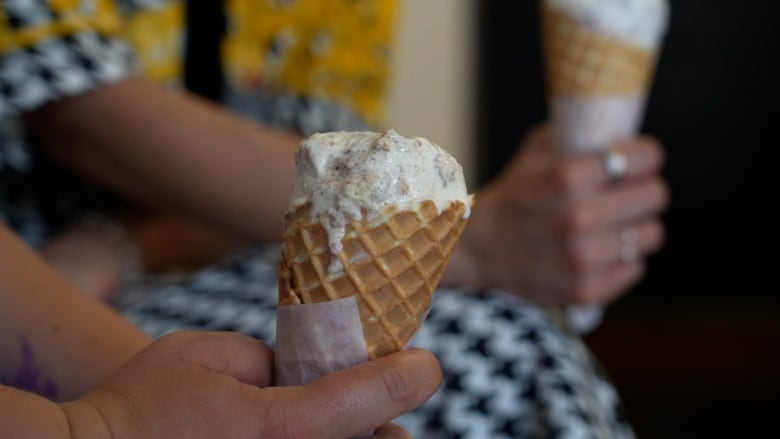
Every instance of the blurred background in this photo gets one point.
(695, 348)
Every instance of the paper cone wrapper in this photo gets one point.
(596, 84)
(376, 300)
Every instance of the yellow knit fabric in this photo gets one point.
(336, 50)
(71, 17)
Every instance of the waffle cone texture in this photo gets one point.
(391, 266)
(581, 62)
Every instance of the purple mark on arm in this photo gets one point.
(28, 375)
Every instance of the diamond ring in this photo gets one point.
(615, 165)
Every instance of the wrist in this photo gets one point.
(26, 414)
(84, 420)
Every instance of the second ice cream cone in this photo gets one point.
(600, 58)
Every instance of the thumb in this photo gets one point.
(353, 401)
(392, 431)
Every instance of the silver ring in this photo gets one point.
(615, 165)
(629, 244)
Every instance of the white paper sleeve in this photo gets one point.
(316, 339)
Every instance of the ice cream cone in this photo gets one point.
(391, 265)
(600, 57)
(597, 82)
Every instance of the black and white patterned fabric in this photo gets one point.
(287, 111)
(52, 68)
(509, 370)
(56, 68)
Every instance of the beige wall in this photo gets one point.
(432, 87)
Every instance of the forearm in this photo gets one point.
(175, 151)
(55, 340)
(25, 415)
(166, 242)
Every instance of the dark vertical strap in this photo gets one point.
(206, 24)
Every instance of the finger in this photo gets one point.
(581, 176)
(626, 205)
(633, 242)
(358, 399)
(392, 431)
(246, 359)
(608, 284)
(643, 157)
(598, 250)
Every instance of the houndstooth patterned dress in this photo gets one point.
(511, 370)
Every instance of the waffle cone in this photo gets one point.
(582, 62)
(392, 267)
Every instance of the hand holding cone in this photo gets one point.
(600, 57)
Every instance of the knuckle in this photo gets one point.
(397, 386)
(277, 426)
(576, 257)
(654, 193)
(574, 221)
(578, 291)
(561, 178)
(657, 188)
(648, 154)
(637, 271)
(657, 235)
(580, 294)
